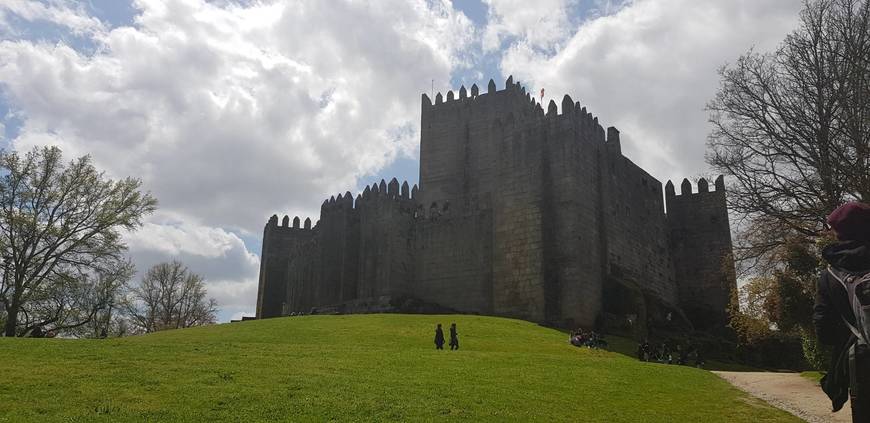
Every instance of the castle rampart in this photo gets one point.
(519, 213)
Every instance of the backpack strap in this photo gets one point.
(850, 292)
(853, 370)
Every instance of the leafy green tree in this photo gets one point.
(60, 238)
(752, 310)
(107, 299)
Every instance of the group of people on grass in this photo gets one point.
(439, 337)
(590, 339)
(663, 353)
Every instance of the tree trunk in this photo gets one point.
(11, 320)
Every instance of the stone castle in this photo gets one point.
(521, 213)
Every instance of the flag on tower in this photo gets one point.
(542, 95)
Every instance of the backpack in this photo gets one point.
(857, 288)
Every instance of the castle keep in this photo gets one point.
(521, 213)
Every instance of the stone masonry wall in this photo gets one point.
(636, 226)
(386, 264)
(700, 244)
(278, 243)
(454, 260)
(304, 273)
(572, 215)
(518, 250)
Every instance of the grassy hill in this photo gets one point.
(355, 368)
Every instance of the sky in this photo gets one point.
(230, 111)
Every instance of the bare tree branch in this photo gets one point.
(170, 297)
(792, 128)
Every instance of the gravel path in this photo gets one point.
(790, 392)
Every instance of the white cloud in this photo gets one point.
(650, 68)
(220, 257)
(541, 23)
(67, 14)
(231, 111)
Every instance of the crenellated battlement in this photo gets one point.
(285, 226)
(513, 91)
(376, 191)
(702, 184)
(528, 106)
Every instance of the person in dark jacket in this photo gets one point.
(439, 338)
(454, 337)
(850, 255)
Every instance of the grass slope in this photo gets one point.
(355, 368)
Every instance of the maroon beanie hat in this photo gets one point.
(851, 221)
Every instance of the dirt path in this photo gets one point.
(790, 392)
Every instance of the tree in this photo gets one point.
(792, 129)
(752, 310)
(59, 238)
(170, 297)
(78, 304)
(109, 319)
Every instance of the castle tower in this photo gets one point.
(700, 244)
(278, 243)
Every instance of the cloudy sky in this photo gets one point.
(232, 110)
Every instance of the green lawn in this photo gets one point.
(355, 368)
(814, 376)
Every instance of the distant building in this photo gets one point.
(521, 213)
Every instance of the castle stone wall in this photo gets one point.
(700, 244)
(304, 273)
(518, 249)
(278, 244)
(454, 260)
(386, 264)
(637, 230)
(572, 210)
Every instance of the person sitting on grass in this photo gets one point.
(643, 351)
(576, 339)
(665, 353)
(594, 340)
(682, 355)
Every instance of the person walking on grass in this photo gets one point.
(841, 312)
(439, 338)
(454, 337)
